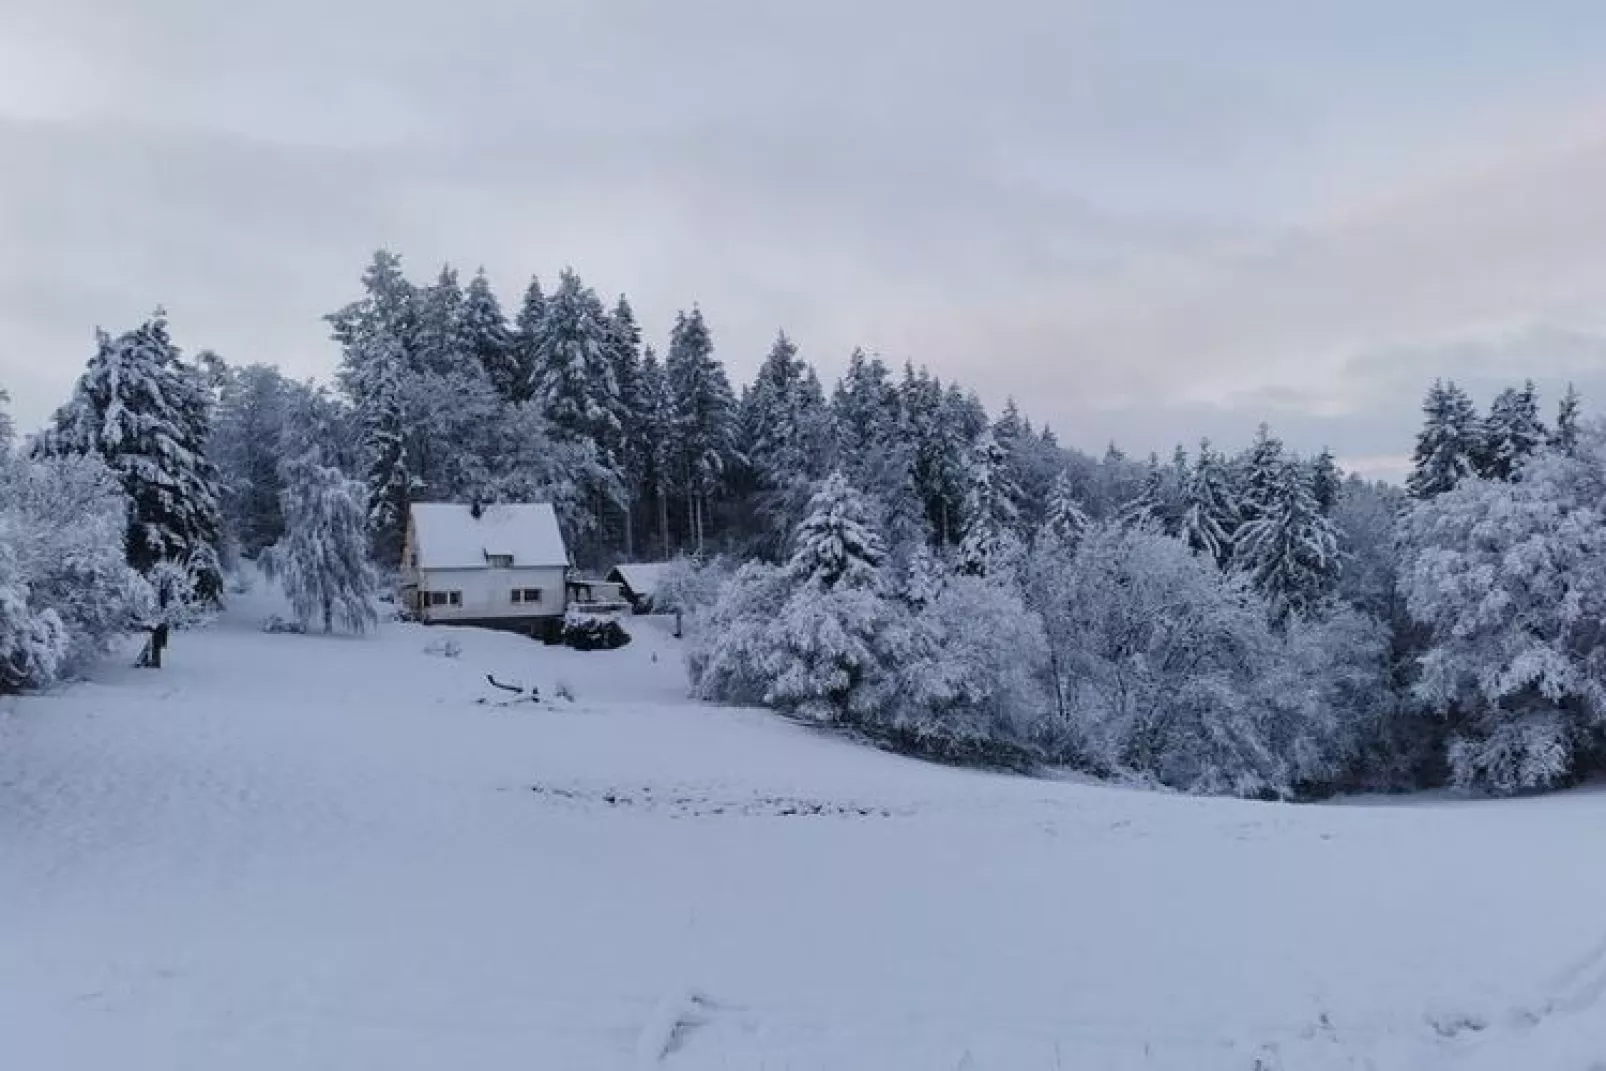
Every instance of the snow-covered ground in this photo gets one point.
(300, 852)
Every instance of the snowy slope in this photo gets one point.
(300, 852)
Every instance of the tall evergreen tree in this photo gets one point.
(1512, 432)
(246, 447)
(148, 415)
(1066, 522)
(1210, 513)
(786, 429)
(990, 512)
(441, 345)
(657, 414)
(1290, 549)
(624, 353)
(703, 428)
(8, 431)
(1257, 472)
(836, 545)
(574, 371)
(526, 335)
(1565, 435)
(1325, 480)
(1449, 443)
(485, 333)
(378, 335)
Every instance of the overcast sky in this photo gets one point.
(1147, 220)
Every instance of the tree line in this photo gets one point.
(884, 554)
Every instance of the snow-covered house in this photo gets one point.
(503, 566)
(638, 582)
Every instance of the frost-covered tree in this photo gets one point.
(1065, 522)
(1162, 657)
(252, 410)
(441, 344)
(1565, 435)
(1448, 446)
(658, 444)
(526, 333)
(33, 643)
(1256, 473)
(322, 561)
(573, 378)
(786, 428)
(66, 521)
(1511, 433)
(835, 546)
(147, 414)
(1210, 513)
(635, 446)
(1510, 580)
(8, 431)
(702, 433)
(989, 510)
(1289, 551)
(484, 330)
(378, 336)
(1325, 480)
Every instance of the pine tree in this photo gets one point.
(657, 420)
(1257, 472)
(836, 545)
(786, 428)
(1147, 509)
(574, 375)
(322, 560)
(1512, 433)
(378, 335)
(1448, 445)
(624, 354)
(1325, 480)
(148, 415)
(526, 333)
(1066, 521)
(1290, 550)
(8, 431)
(441, 342)
(989, 510)
(246, 447)
(703, 425)
(485, 333)
(1565, 435)
(1210, 510)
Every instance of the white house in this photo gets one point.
(503, 566)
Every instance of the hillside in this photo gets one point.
(301, 852)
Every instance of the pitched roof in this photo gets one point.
(447, 535)
(642, 578)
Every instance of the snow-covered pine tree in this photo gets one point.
(147, 414)
(989, 542)
(378, 340)
(703, 429)
(1325, 480)
(1512, 432)
(8, 431)
(442, 345)
(836, 545)
(922, 578)
(1448, 445)
(246, 431)
(786, 432)
(1289, 550)
(485, 333)
(1066, 522)
(322, 560)
(657, 415)
(1148, 508)
(1210, 510)
(865, 408)
(1257, 473)
(526, 334)
(574, 375)
(938, 451)
(1564, 437)
(624, 353)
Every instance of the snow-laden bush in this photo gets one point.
(33, 643)
(1161, 658)
(730, 637)
(67, 519)
(322, 560)
(593, 632)
(1510, 580)
(970, 671)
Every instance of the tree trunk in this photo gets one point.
(663, 520)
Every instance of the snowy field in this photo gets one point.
(295, 852)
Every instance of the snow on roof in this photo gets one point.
(642, 578)
(447, 535)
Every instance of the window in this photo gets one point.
(500, 561)
(524, 595)
(446, 598)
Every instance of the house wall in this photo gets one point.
(488, 593)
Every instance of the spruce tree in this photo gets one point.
(526, 333)
(989, 509)
(1210, 515)
(1512, 432)
(836, 545)
(703, 429)
(1565, 435)
(624, 353)
(148, 415)
(1066, 522)
(1325, 480)
(1289, 550)
(1449, 443)
(441, 342)
(786, 429)
(8, 431)
(1257, 472)
(485, 333)
(574, 374)
(657, 415)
